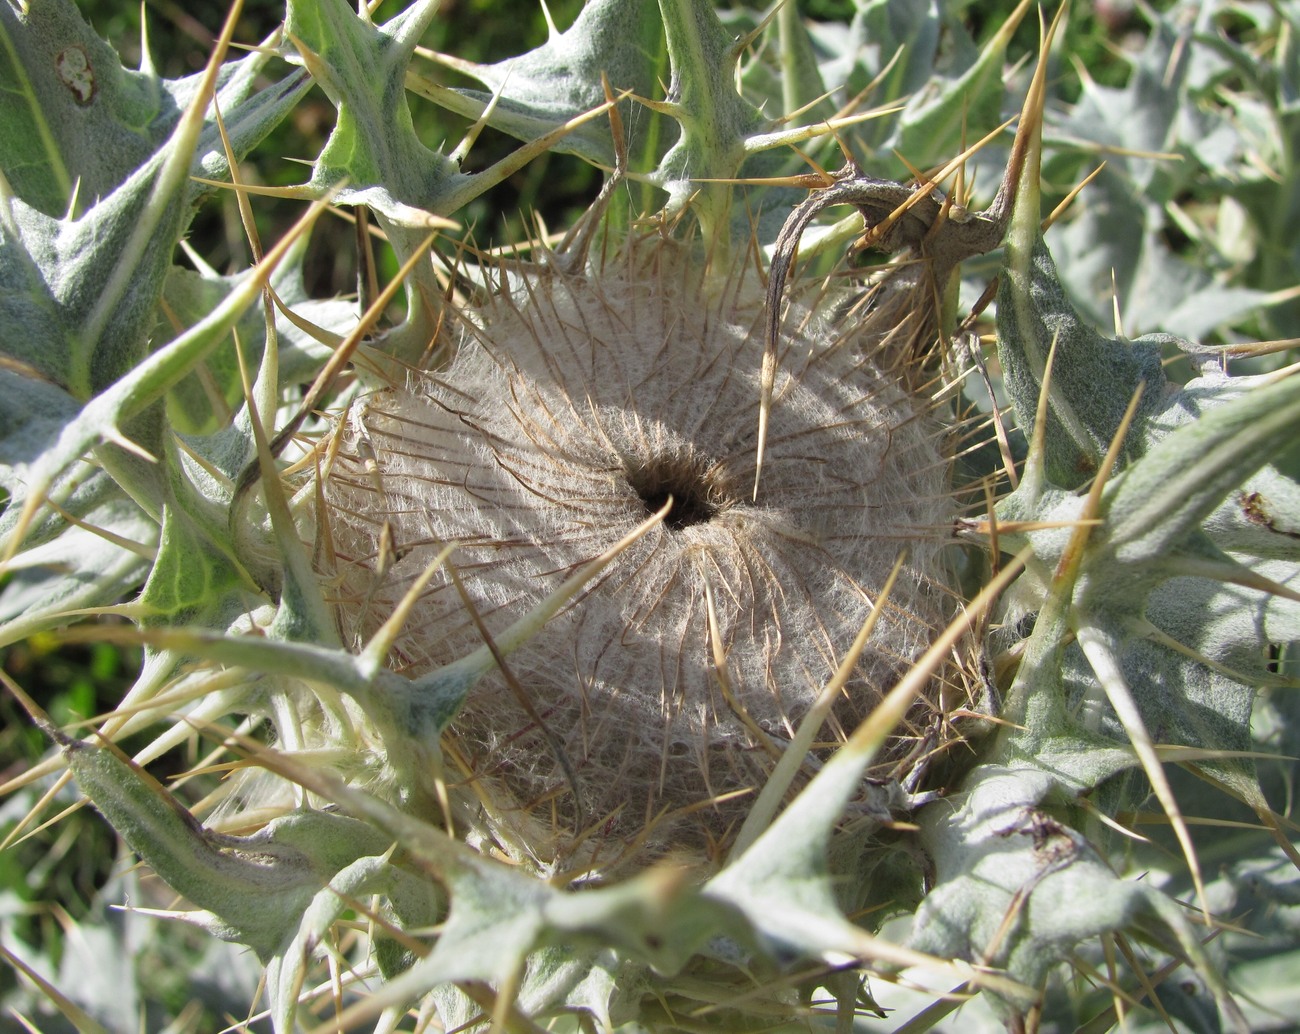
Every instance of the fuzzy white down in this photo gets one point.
(574, 406)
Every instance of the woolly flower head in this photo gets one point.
(640, 719)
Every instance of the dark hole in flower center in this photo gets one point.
(699, 492)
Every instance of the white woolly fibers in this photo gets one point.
(575, 406)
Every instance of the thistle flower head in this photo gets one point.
(577, 405)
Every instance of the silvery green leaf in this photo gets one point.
(299, 355)
(49, 281)
(79, 284)
(1186, 475)
(1170, 644)
(962, 97)
(498, 915)
(77, 120)
(715, 120)
(287, 968)
(1182, 702)
(1018, 888)
(1181, 134)
(1093, 379)
(80, 493)
(191, 581)
(255, 889)
(75, 568)
(563, 978)
(893, 38)
(100, 957)
(1190, 645)
(79, 295)
(923, 58)
(1142, 118)
(188, 296)
(799, 82)
(782, 884)
(541, 90)
(32, 413)
(373, 147)
(1165, 516)
(74, 118)
(1261, 519)
(373, 155)
(1264, 890)
(128, 404)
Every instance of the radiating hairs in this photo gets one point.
(576, 405)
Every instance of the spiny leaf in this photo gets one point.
(373, 148)
(499, 916)
(71, 117)
(32, 413)
(78, 292)
(257, 888)
(1172, 146)
(188, 296)
(800, 80)
(1188, 474)
(1200, 696)
(100, 418)
(714, 118)
(190, 580)
(1018, 888)
(286, 970)
(781, 882)
(1094, 376)
(80, 569)
(539, 91)
(899, 43)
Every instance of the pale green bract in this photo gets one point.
(1138, 672)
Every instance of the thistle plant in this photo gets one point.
(770, 601)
